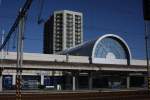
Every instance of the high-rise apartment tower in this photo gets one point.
(64, 29)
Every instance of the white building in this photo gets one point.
(63, 30)
(105, 62)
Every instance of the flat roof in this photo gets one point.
(67, 58)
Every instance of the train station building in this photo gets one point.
(103, 63)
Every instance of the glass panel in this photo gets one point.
(30, 82)
(109, 47)
(7, 82)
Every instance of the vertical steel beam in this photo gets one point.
(20, 39)
(2, 57)
(128, 82)
(90, 80)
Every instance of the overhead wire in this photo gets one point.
(87, 27)
(24, 10)
(14, 42)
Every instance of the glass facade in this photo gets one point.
(109, 81)
(110, 47)
(7, 82)
(83, 81)
(30, 82)
(137, 81)
(52, 80)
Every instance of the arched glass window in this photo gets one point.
(110, 47)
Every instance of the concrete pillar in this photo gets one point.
(75, 76)
(128, 82)
(14, 79)
(145, 82)
(90, 81)
(74, 83)
(77, 80)
(1, 81)
(42, 79)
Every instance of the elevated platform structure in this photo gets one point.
(102, 63)
(69, 62)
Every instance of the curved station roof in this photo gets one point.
(107, 48)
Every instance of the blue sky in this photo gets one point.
(121, 17)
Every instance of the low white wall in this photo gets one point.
(78, 59)
(75, 59)
(138, 62)
(48, 57)
(109, 61)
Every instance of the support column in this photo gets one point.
(75, 76)
(145, 81)
(42, 79)
(74, 83)
(90, 81)
(14, 79)
(77, 80)
(1, 81)
(128, 82)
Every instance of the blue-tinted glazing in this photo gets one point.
(110, 45)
